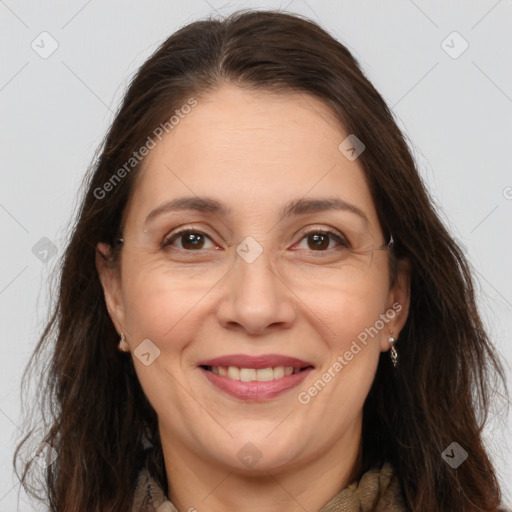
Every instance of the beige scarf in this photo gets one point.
(378, 490)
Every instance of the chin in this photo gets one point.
(253, 455)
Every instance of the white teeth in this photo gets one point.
(252, 374)
(234, 373)
(278, 372)
(247, 374)
(264, 374)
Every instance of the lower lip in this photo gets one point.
(256, 390)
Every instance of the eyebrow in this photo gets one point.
(292, 208)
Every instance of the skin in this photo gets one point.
(253, 151)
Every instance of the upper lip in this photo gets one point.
(257, 362)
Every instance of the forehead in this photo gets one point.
(253, 151)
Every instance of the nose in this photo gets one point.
(254, 298)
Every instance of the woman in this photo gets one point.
(259, 307)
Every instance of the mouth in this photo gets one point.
(255, 379)
(254, 374)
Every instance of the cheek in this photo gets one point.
(353, 313)
(366, 301)
(160, 302)
(344, 312)
(160, 308)
(349, 369)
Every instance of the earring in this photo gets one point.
(123, 343)
(394, 353)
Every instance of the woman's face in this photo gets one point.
(249, 284)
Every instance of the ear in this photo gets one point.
(398, 304)
(111, 282)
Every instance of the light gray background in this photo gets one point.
(456, 112)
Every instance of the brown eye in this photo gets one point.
(320, 240)
(190, 240)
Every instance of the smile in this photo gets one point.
(253, 389)
(253, 374)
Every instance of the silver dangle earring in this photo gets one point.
(123, 345)
(394, 353)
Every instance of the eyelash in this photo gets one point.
(339, 238)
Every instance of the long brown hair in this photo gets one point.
(100, 419)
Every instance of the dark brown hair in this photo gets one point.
(440, 392)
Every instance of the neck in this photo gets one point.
(198, 483)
